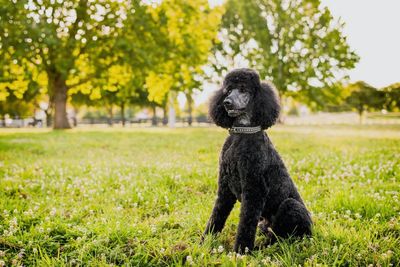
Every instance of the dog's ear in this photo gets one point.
(266, 106)
(217, 111)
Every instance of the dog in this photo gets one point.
(250, 169)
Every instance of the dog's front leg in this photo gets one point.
(250, 212)
(222, 207)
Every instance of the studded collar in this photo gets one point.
(244, 130)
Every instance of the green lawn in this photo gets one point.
(142, 197)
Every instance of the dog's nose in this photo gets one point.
(227, 103)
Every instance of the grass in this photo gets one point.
(141, 197)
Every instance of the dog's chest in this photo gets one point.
(230, 164)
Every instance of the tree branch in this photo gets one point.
(81, 82)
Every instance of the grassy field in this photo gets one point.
(142, 197)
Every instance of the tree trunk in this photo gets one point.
(60, 90)
(165, 116)
(123, 113)
(154, 118)
(74, 118)
(189, 99)
(3, 120)
(110, 116)
(361, 113)
(171, 113)
(49, 118)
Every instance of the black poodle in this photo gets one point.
(251, 170)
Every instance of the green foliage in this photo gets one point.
(17, 104)
(392, 97)
(364, 97)
(295, 44)
(188, 29)
(71, 41)
(119, 72)
(141, 197)
(18, 90)
(106, 51)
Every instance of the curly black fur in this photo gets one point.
(252, 171)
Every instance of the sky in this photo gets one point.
(373, 32)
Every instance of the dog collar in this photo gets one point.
(244, 130)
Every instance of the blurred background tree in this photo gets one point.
(295, 44)
(190, 28)
(364, 97)
(392, 97)
(55, 35)
(117, 55)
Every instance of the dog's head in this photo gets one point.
(243, 93)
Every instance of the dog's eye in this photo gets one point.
(242, 90)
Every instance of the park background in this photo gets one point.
(139, 193)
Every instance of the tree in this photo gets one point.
(364, 97)
(392, 97)
(16, 104)
(19, 90)
(191, 85)
(295, 44)
(189, 29)
(54, 35)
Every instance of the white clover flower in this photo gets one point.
(239, 256)
(162, 250)
(28, 212)
(2, 263)
(189, 259)
(14, 223)
(53, 212)
(267, 259)
(220, 249)
(21, 254)
(2, 253)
